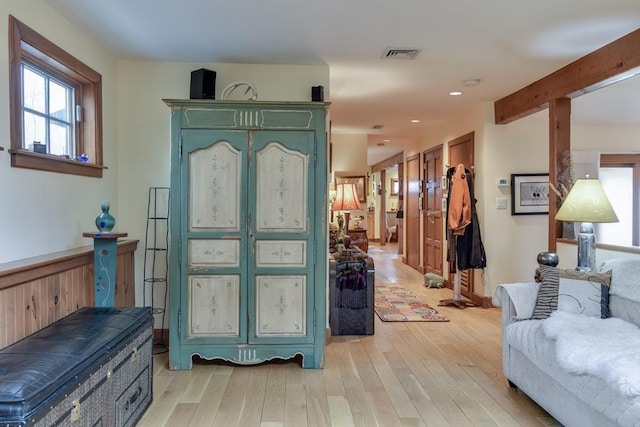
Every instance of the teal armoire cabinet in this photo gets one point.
(248, 231)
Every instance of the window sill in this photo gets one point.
(46, 162)
(627, 249)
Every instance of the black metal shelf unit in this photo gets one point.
(156, 259)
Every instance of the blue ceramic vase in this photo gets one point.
(105, 221)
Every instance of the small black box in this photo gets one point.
(317, 93)
(39, 148)
(203, 84)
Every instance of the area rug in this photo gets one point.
(398, 304)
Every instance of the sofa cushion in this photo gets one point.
(605, 348)
(573, 291)
(528, 339)
(625, 277)
(625, 309)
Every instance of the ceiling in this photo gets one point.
(505, 44)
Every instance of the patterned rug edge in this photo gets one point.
(398, 304)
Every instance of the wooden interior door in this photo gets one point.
(433, 227)
(412, 214)
(461, 151)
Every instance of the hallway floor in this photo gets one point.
(406, 374)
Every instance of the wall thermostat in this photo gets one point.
(503, 182)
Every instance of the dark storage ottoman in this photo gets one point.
(351, 293)
(92, 367)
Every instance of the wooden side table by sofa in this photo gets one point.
(371, 225)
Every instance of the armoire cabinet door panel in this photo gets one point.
(281, 189)
(281, 253)
(214, 306)
(215, 188)
(207, 253)
(281, 306)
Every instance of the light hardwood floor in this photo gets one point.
(406, 374)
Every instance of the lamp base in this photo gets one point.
(340, 226)
(586, 247)
(347, 218)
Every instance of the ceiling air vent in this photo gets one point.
(396, 53)
(377, 127)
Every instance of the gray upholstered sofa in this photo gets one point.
(533, 360)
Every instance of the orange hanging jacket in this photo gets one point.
(459, 216)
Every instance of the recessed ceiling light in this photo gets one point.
(415, 120)
(386, 140)
(455, 93)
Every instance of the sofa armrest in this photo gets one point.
(516, 299)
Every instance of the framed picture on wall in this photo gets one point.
(359, 181)
(530, 194)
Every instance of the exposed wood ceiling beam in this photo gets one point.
(389, 162)
(609, 64)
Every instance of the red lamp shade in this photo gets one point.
(346, 198)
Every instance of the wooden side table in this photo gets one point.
(105, 250)
(371, 225)
(359, 238)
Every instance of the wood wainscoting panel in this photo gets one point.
(36, 292)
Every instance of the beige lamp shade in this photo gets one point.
(346, 198)
(587, 202)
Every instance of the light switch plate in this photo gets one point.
(501, 203)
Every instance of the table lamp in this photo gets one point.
(346, 200)
(586, 203)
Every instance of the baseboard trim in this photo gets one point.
(481, 301)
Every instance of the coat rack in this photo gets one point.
(463, 232)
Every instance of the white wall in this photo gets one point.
(512, 242)
(349, 158)
(44, 212)
(349, 155)
(606, 140)
(144, 133)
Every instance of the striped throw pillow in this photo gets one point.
(573, 291)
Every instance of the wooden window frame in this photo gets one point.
(632, 161)
(25, 43)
